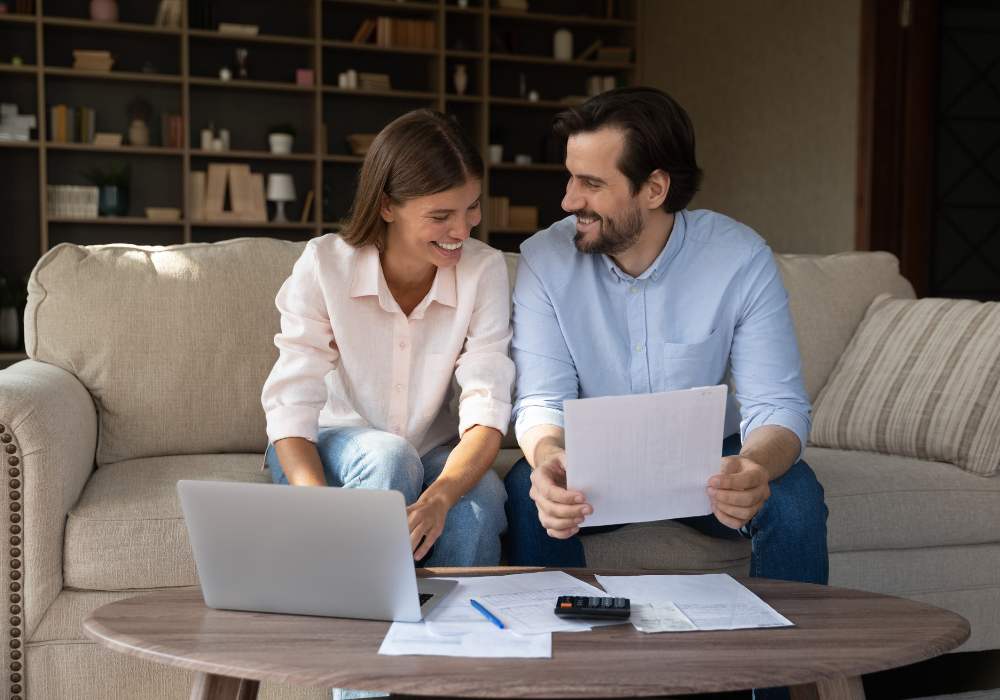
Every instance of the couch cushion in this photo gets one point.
(920, 378)
(173, 343)
(880, 502)
(127, 530)
(828, 296)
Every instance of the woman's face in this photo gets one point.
(433, 228)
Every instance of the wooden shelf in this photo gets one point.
(579, 20)
(338, 158)
(122, 150)
(74, 23)
(250, 38)
(455, 9)
(122, 76)
(389, 94)
(475, 99)
(530, 167)
(546, 61)
(458, 53)
(351, 46)
(17, 19)
(11, 68)
(115, 221)
(263, 85)
(532, 104)
(19, 144)
(408, 5)
(294, 225)
(252, 155)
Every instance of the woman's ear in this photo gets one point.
(657, 189)
(385, 209)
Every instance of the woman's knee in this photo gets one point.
(483, 506)
(374, 459)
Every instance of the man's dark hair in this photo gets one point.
(658, 136)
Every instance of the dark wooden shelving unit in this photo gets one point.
(176, 69)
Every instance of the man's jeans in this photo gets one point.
(372, 459)
(788, 535)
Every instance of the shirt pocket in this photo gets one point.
(687, 365)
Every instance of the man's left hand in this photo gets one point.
(739, 491)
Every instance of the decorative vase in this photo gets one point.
(112, 201)
(8, 328)
(562, 45)
(104, 10)
(280, 143)
(138, 133)
(461, 79)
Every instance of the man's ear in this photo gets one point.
(385, 209)
(657, 188)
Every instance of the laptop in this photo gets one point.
(300, 550)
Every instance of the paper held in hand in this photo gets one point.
(647, 456)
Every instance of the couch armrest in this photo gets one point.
(47, 446)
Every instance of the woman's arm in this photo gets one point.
(300, 461)
(466, 465)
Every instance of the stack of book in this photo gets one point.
(393, 32)
(14, 126)
(72, 124)
(498, 212)
(100, 61)
(172, 130)
(232, 183)
(374, 81)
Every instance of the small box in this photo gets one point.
(106, 139)
(305, 77)
(163, 213)
(523, 217)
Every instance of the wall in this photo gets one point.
(772, 89)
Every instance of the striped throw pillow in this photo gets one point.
(920, 378)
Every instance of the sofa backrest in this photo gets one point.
(174, 343)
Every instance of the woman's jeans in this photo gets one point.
(366, 458)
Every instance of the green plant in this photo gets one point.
(112, 176)
(282, 129)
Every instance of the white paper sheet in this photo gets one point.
(523, 602)
(662, 616)
(646, 456)
(416, 638)
(710, 601)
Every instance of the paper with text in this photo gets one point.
(416, 638)
(710, 601)
(645, 457)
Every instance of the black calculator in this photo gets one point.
(583, 607)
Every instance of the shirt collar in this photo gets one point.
(369, 280)
(669, 252)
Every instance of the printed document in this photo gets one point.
(645, 457)
(709, 601)
(416, 638)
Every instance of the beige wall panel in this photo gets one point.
(772, 88)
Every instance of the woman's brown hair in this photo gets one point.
(422, 152)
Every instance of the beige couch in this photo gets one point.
(148, 364)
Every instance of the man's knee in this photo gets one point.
(518, 482)
(797, 498)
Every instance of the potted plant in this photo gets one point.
(113, 185)
(280, 138)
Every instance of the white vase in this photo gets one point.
(562, 45)
(461, 79)
(280, 143)
(8, 328)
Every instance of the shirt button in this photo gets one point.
(402, 344)
(399, 387)
(633, 290)
(638, 348)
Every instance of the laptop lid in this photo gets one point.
(299, 550)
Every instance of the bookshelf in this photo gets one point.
(507, 54)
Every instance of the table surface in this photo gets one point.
(838, 633)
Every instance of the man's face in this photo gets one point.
(609, 219)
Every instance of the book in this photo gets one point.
(258, 203)
(306, 207)
(364, 32)
(215, 191)
(196, 195)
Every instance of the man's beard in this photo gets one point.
(615, 234)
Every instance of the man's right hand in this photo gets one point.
(560, 510)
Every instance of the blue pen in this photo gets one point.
(486, 613)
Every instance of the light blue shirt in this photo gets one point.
(712, 301)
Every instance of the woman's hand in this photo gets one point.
(426, 521)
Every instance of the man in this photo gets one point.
(635, 294)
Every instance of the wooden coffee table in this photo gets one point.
(840, 634)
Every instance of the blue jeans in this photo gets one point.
(788, 535)
(373, 459)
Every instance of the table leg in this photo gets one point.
(208, 686)
(833, 689)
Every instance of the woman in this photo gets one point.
(374, 324)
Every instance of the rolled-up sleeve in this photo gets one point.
(295, 392)
(546, 373)
(484, 370)
(765, 360)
